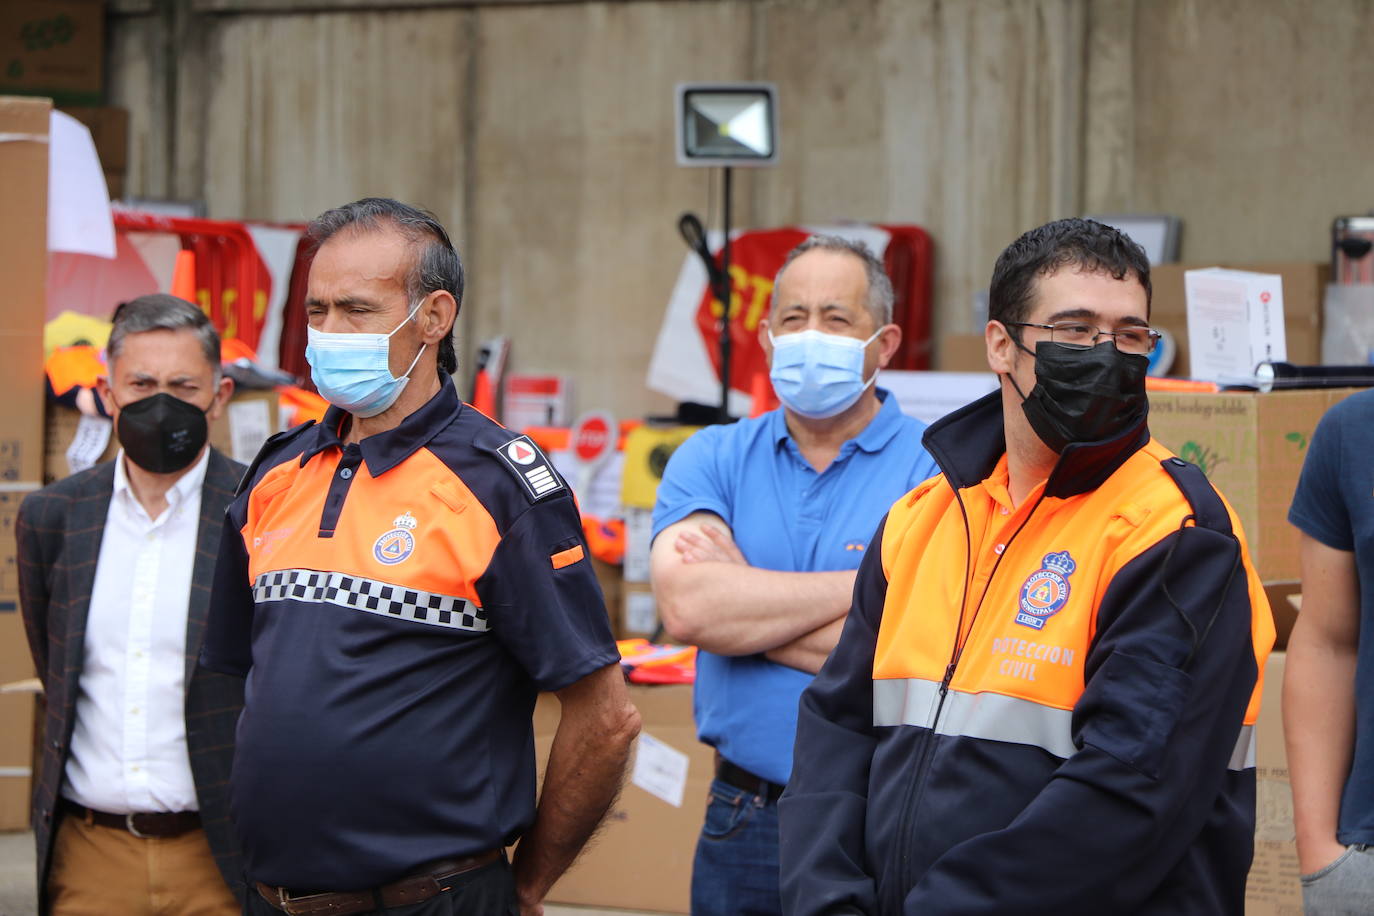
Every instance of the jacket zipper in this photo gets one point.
(902, 854)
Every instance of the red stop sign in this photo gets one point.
(593, 437)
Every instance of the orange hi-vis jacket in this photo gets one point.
(1043, 708)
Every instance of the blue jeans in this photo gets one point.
(1343, 888)
(735, 872)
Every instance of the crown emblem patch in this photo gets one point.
(396, 545)
(1046, 590)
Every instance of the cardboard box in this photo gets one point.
(17, 721)
(1273, 888)
(642, 858)
(1252, 447)
(611, 582)
(14, 652)
(1235, 322)
(247, 421)
(1304, 288)
(53, 48)
(23, 265)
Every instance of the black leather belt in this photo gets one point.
(742, 779)
(144, 826)
(429, 882)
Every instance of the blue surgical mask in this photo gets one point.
(353, 371)
(819, 375)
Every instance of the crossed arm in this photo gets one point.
(711, 597)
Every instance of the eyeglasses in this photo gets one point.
(1135, 339)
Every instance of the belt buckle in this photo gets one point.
(129, 826)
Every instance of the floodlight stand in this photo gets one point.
(727, 287)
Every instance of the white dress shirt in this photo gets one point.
(128, 749)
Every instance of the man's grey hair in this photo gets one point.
(879, 286)
(161, 312)
(436, 265)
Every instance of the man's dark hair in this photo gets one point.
(161, 312)
(436, 265)
(1078, 244)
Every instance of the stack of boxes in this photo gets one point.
(23, 264)
(56, 49)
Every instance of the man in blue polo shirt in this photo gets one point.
(758, 531)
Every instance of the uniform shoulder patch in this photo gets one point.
(530, 466)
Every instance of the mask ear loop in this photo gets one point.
(406, 374)
(876, 369)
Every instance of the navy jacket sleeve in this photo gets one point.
(228, 630)
(822, 813)
(543, 599)
(1168, 680)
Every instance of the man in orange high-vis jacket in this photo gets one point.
(1044, 696)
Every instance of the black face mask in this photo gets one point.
(1084, 395)
(161, 433)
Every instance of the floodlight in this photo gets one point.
(727, 124)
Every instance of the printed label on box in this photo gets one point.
(660, 770)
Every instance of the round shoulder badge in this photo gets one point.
(1046, 590)
(397, 544)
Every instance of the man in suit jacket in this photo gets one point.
(130, 810)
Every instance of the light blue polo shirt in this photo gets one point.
(785, 517)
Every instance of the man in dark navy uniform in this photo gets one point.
(397, 584)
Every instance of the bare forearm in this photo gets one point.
(1319, 729)
(732, 609)
(809, 651)
(585, 771)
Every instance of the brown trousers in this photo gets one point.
(100, 871)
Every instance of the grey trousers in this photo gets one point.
(1343, 888)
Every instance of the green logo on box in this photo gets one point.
(1205, 458)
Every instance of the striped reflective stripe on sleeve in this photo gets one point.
(994, 717)
(371, 595)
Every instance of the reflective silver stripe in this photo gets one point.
(905, 701)
(1243, 757)
(371, 595)
(991, 716)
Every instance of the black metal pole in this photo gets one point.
(727, 292)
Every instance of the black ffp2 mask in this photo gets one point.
(1085, 394)
(162, 433)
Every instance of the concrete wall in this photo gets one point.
(541, 134)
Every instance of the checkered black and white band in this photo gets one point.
(369, 595)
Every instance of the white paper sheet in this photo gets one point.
(91, 439)
(660, 770)
(79, 219)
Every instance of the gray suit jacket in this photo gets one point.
(59, 532)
